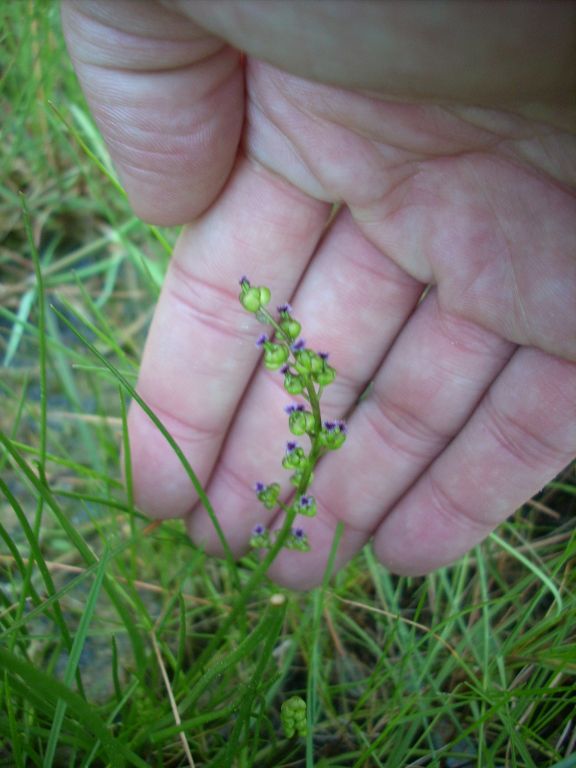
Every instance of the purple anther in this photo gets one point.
(258, 530)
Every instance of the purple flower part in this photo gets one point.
(323, 355)
(261, 340)
(293, 408)
(258, 530)
(291, 445)
(244, 280)
(298, 345)
(259, 487)
(284, 308)
(298, 533)
(285, 369)
(332, 426)
(305, 501)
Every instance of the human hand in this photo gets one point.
(457, 172)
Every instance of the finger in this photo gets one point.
(429, 384)
(200, 352)
(167, 96)
(523, 433)
(352, 302)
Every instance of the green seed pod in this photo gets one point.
(260, 538)
(332, 435)
(291, 328)
(293, 384)
(269, 495)
(275, 355)
(307, 506)
(325, 376)
(303, 362)
(310, 423)
(308, 361)
(297, 422)
(264, 295)
(298, 541)
(295, 459)
(296, 478)
(250, 299)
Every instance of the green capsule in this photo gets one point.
(275, 355)
(332, 438)
(308, 362)
(295, 459)
(291, 328)
(325, 376)
(269, 495)
(250, 299)
(293, 384)
(260, 540)
(297, 541)
(298, 423)
(307, 506)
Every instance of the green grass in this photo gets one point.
(120, 643)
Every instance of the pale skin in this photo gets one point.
(446, 133)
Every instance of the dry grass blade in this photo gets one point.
(171, 699)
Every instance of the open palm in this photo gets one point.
(472, 401)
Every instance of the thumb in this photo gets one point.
(167, 97)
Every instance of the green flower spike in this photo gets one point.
(293, 717)
(306, 373)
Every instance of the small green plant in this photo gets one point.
(306, 374)
(293, 717)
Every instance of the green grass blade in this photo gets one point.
(74, 658)
(167, 436)
(52, 690)
(538, 572)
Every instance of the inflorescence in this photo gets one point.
(306, 374)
